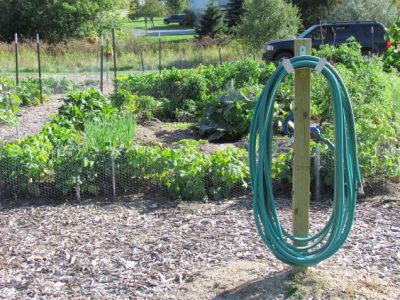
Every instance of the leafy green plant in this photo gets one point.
(24, 163)
(229, 169)
(9, 107)
(107, 132)
(74, 169)
(143, 107)
(375, 98)
(186, 171)
(79, 104)
(348, 54)
(188, 92)
(228, 117)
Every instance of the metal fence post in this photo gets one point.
(159, 53)
(101, 62)
(114, 184)
(39, 67)
(115, 57)
(16, 63)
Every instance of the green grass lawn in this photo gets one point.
(139, 24)
(172, 38)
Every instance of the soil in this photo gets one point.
(147, 247)
(156, 132)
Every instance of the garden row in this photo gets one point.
(88, 147)
(222, 99)
(71, 161)
(27, 94)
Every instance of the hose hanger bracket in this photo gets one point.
(287, 65)
(321, 64)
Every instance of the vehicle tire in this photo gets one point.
(281, 56)
(166, 22)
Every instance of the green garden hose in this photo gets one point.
(347, 177)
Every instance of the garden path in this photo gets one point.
(151, 248)
(31, 119)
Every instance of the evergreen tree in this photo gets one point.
(211, 22)
(234, 12)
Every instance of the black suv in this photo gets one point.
(180, 18)
(371, 36)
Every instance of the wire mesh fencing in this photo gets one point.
(71, 174)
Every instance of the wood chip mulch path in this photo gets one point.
(156, 249)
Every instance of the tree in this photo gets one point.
(211, 22)
(54, 20)
(266, 20)
(384, 11)
(133, 9)
(312, 11)
(151, 9)
(175, 6)
(234, 12)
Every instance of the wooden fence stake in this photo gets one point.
(301, 160)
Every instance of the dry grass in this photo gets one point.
(81, 56)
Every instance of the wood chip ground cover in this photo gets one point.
(147, 247)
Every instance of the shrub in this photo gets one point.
(392, 56)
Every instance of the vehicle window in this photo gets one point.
(374, 29)
(378, 31)
(319, 33)
(343, 32)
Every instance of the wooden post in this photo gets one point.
(301, 160)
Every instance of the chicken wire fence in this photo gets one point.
(75, 178)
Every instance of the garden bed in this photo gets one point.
(148, 247)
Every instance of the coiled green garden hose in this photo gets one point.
(326, 242)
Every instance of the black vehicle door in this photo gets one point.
(342, 33)
(376, 37)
